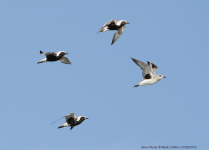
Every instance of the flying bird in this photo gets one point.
(72, 121)
(50, 57)
(119, 26)
(148, 73)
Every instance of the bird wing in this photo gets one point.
(65, 60)
(117, 34)
(69, 116)
(50, 53)
(105, 25)
(72, 127)
(42, 61)
(120, 31)
(154, 68)
(144, 67)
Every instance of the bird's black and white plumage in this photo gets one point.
(72, 121)
(148, 73)
(119, 26)
(50, 57)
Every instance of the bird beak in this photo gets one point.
(66, 53)
(164, 77)
(127, 23)
(87, 118)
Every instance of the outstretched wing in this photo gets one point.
(118, 34)
(46, 54)
(104, 27)
(42, 61)
(144, 67)
(71, 115)
(154, 68)
(65, 60)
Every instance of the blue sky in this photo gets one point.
(99, 85)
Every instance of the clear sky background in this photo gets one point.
(173, 34)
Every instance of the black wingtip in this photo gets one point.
(136, 85)
(41, 52)
(60, 127)
(113, 42)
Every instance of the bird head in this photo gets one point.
(125, 22)
(161, 76)
(84, 118)
(62, 53)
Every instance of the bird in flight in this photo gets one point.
(72, 121)
(148, 73)
(51, 56)
(119, 26)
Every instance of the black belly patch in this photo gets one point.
(70, 120)
(51, 58)
(147, 76)
(113, 26)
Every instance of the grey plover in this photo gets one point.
(50, 57)
(148, 73)
(72, 121)
(119, 26)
